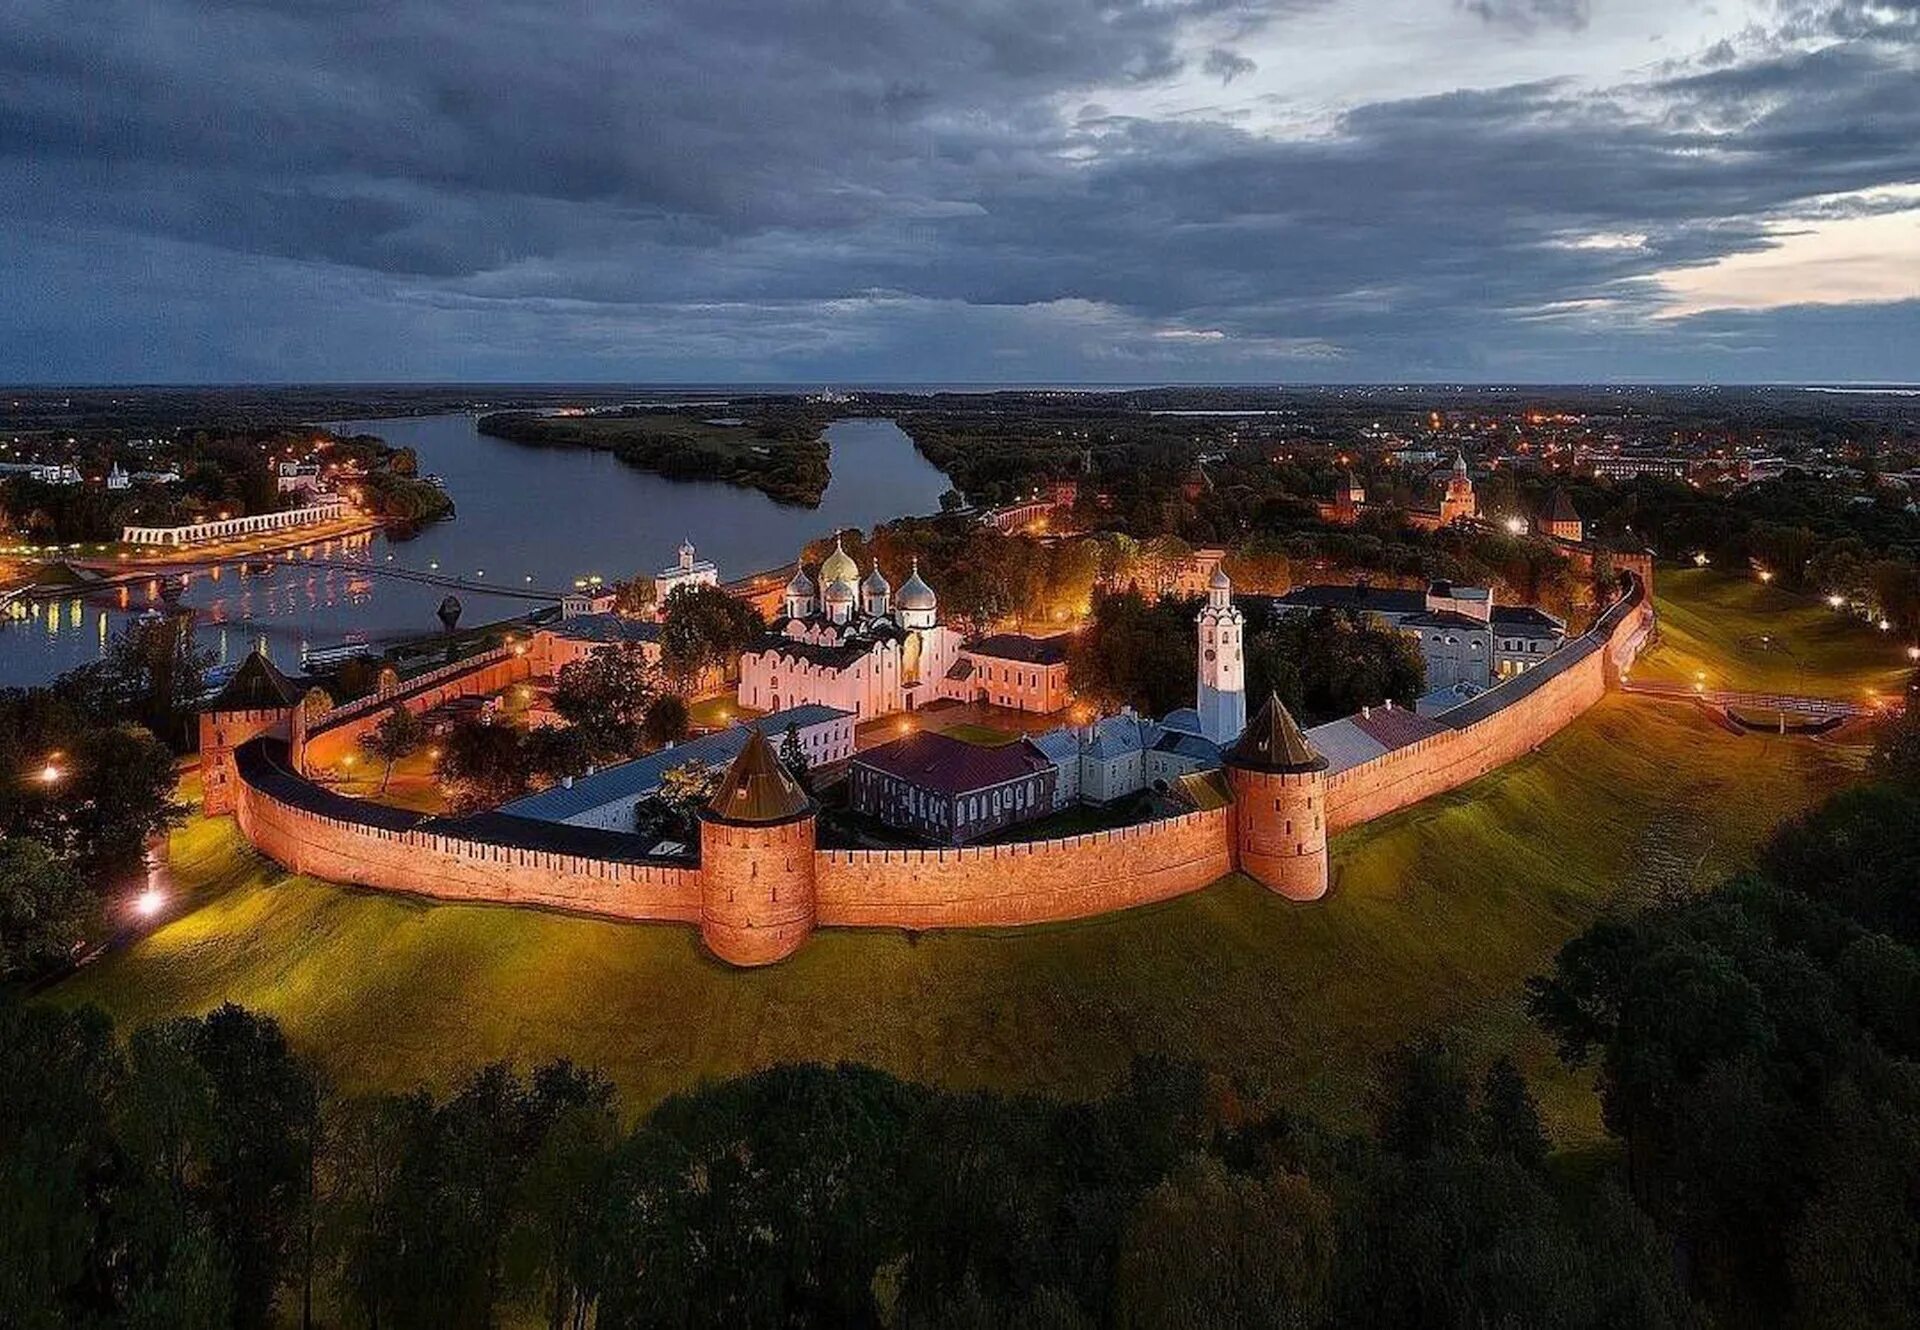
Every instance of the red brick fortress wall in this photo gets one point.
(357, 850)
(1510, 720)
(1024, 883)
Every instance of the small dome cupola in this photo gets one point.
(876, 593)
(916, 601)
(799, 595)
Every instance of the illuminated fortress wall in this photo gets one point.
(734, 893)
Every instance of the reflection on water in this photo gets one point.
(528, 519)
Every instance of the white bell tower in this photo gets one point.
(1222, 693)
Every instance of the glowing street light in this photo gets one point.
(1836, 601)
(1517, 525)
(50, 774)
(149, 902)
(1766, 574)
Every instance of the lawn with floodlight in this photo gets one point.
(1743, 635)
(1437, 916)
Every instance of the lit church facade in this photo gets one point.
(851, 642)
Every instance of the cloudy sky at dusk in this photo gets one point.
(841, 191)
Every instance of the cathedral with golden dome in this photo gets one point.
(851, 642)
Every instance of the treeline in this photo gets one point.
(201, 1174)
(1758, 1052)
(1810, 535)
(780, 450)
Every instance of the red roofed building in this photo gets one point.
(948, 790)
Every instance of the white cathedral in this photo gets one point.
(858, 645)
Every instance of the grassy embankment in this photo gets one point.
(783, 456)
(1438, 915)
(1746, 636)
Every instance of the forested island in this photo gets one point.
(779, 451)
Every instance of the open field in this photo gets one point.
(1749, 637)
(1437, 916)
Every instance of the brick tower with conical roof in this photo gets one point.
(257, 700)
(757, 902)
(1280, 804)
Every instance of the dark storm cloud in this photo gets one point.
(881, 188)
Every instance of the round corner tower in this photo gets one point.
(1279, 806)
(756, 861)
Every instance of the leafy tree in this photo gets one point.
(1326, 664)
(482, 765)
(666, 722)
(1211, 1247)
(102, 801)
(704, 629)
(1509, 1119)
(606, 695)
(397, 735)
(152, 675)
(44, 910)
(1135, 653)
(1896, 749)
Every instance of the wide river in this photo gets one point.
(527, 517)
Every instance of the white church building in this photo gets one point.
(852, 643)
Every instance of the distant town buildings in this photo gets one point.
(295, 477)
(47, 473)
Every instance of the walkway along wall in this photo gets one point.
(497, 858)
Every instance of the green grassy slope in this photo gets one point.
(1750, 637)
(1437, 916)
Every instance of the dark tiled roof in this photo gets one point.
(607, 628)
(1380, 600)
(757, 789)
(262, 763)
(1020, 647)
(939, 762)
(1396, 727)
(1525, 620)
(525, 833)
(258, 685)
(1273, 742)
(1442, 619)
(1561, 509)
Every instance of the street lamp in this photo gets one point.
(50, 774)
(149, 902)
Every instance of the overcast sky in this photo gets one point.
(865, 191)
